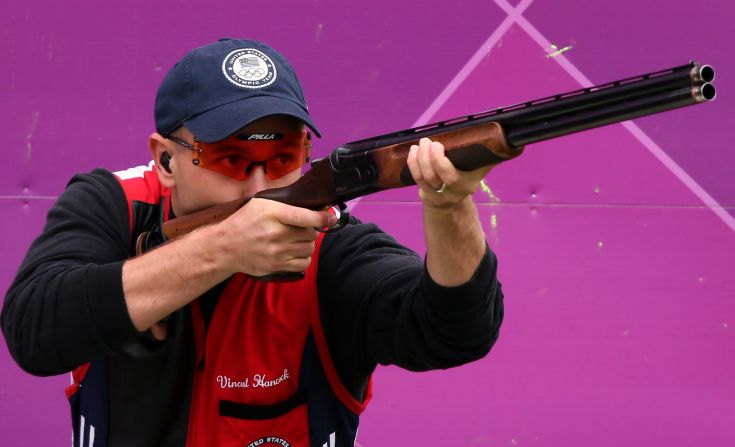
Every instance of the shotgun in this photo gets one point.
(375, 164)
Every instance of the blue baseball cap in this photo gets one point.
(221, 87)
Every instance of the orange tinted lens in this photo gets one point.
(238, 155)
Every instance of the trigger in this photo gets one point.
(343, 215)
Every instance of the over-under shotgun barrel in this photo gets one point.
(603, 100)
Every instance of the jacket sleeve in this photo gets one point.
(379, 305)
(66, 305)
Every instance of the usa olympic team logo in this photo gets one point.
(249, 68)
(270, 441)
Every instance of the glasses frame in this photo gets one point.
(196, 147)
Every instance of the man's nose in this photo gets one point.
(258, 180)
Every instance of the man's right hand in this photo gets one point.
(261, 238)
(265, 237)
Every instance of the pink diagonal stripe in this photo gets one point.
(468, 68)
(641, 136)
(473, 62)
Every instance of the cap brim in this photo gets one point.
(219, 123)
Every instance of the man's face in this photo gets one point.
(197, 187)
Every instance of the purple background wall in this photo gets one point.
(614, 244)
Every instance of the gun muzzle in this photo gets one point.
(704, 92)
(702, 74)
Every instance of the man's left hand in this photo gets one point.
(441, 185)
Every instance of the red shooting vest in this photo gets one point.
(264, 376)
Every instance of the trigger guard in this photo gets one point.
(343, 216)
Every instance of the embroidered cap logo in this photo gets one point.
(249, 68)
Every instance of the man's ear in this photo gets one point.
(162, 157)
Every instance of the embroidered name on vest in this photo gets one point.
(258, 381)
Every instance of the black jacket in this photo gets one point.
(66, 307)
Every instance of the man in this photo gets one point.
(181, 345)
